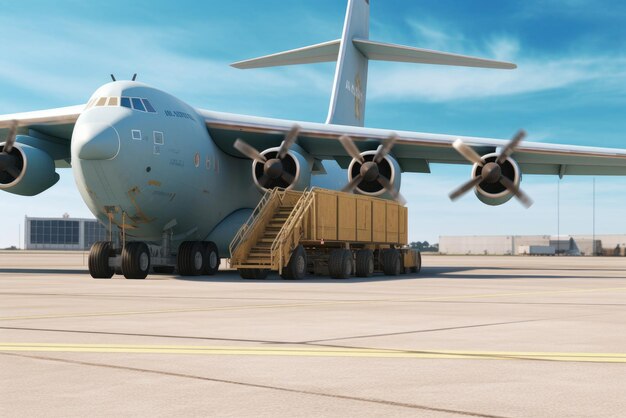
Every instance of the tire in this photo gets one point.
(191, 258)
(212, 257)
(392, 263)
(418, 267)
(99, 260)
(136, 260)
(364, 263)
(253, 274)
(340, 264)
(296, 268)
(164, 269)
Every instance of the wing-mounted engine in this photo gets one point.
(284, 167)
(373, 173)
(25, 170)
(496, 177)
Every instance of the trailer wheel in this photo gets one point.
(418, 267)
(296, 268)
(392, 263)
(364, 263)
(253, 274)
(340, 264)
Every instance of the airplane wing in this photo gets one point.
(52, 125)
(414, 151)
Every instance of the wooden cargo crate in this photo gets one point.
(356, 218)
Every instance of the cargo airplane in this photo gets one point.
(175, 183)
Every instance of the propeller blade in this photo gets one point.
(465, 188)
(511, 146)
(8, 146)
(389, 187)
(352, 185)
(248, 150)
(510, 186)
(288, 177)
(467, 152)
(351, 149)
(385, 147)
(290, 138)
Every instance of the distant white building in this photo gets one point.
(62, 233)
(516, 244)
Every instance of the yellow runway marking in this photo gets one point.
(313, 352)
(308, 304)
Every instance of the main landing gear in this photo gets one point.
(137, 259)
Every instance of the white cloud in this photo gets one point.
(437, 83)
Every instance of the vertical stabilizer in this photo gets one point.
(347, 103)
(352, 53)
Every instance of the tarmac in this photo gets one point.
(469, 336)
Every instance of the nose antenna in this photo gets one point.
(133, 79)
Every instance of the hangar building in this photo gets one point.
(62, 233)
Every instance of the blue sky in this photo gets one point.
(570, 87)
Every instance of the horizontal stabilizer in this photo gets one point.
(380, 51)
(324, 52)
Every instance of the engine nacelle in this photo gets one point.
(36, 171)
(495, 194)
(387, 168)
(293, 172)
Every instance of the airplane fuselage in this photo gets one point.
(152, 168)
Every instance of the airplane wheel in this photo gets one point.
(99, 260)
(191, 258)
(340, 264)
(212, 258)
(392, 262)
(136, 260)
(296, 269)
(364, 263)
(253, 274)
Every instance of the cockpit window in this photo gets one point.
(137, 104)
(148, 106)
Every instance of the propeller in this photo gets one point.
(8, 162)
(273, 168)
(491, 172)
(369, 171)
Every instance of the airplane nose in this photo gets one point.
(95, 141)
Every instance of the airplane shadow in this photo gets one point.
(42, 271)
(449, 273)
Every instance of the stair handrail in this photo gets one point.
(248, 226)
(295, 218)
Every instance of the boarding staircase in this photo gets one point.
(272, 231)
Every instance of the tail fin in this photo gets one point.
(352, 53)
(347, 102)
